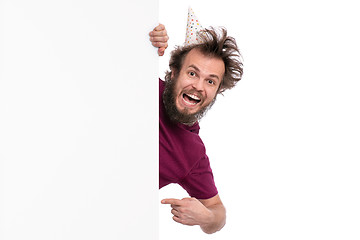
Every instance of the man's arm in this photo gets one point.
(209, 214)
(217, 208)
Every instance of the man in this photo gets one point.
(198, 72)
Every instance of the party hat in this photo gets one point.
(192, 29)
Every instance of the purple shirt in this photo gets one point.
(183, 158)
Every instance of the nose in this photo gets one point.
(199, 85)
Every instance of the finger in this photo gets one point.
(173, 201)
(159, 38)
(182, 221)
(159, 27)
(177, 219)
(158, 33)
(176, 207)
(175, 212)
(161, 51)
(159, 44)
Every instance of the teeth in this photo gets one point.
(193, 96)
(189, 102)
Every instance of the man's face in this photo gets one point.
(197, 82)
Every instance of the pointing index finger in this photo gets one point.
(171, 201)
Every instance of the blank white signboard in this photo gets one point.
(78, 120)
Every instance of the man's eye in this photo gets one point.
(192, 74)
(211, 82)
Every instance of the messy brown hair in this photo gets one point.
(213, 44)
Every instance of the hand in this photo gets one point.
(159, 38)
(189, 211)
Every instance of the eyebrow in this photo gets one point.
(197, 69)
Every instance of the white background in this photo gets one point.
(78, 120)
(284, 144)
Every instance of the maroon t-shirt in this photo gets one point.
(183, 158)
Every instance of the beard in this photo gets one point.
(169, 100)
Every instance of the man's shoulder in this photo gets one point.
(161, 83)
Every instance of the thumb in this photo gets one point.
(161, 51)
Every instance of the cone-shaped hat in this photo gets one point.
(192, 29)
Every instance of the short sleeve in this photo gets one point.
(199, 183)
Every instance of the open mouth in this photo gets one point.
(191, 99)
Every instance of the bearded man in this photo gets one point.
(198, 72)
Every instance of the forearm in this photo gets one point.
(216, 220)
